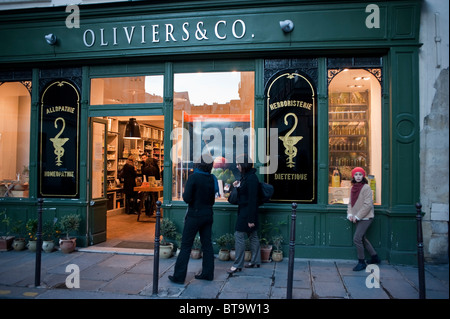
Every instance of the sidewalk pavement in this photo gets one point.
(122, 275)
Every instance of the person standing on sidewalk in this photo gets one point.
(361, 211)
(247, 219)
(200, 195)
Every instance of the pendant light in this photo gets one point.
(132, 130)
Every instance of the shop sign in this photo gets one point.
(58, 140)
(291, 108)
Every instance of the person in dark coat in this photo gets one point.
(200, 195)
(151, 168)
(247, 219)
(128, 174)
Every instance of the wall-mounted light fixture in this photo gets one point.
(50, 38)
(287, 26)
(132, 130)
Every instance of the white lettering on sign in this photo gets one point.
(167, 33)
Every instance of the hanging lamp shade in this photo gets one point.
(132, 130)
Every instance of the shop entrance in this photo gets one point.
(129, 214)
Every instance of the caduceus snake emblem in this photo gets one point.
(59, 142)
(289, 141)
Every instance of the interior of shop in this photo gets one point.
(125, 229)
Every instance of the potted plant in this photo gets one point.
(19, 241)
(69, 224)
(196, 252)
(31, 227)
(178, 238)
(5, 239)
(224, 243)
(277, 254)
(168, 232)
(264, 241)
(49, 233)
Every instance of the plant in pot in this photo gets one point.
(168, 232)
(264, 241)
(196, 252)
(49, 233)
(277, 254)
(31, 227)
(19, 242)
(69, 224)
(224, 243)
(6, 239)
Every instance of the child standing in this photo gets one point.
(360, 211)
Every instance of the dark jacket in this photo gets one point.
(129, 178)
(248, 202)
(151, 168)
(199, 193)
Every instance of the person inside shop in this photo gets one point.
(361, 212)
(200, 195)
(128, 174)
(247, 218)
(151, 168)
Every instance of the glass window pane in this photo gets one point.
(98, 159)
(354, 132)
(207, 106)
(15, 107)
(127, 90)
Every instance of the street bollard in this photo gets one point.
(156, 249)
(291, 252)
(420, 256)
(37, 273)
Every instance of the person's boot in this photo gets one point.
(374, 260)
(360, 266)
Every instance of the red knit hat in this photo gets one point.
(358, 169)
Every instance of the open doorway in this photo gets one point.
(127, 228)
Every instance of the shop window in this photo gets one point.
(127, 90)
(354, 130)
(15, 107)
(212, 113)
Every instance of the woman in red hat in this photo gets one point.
(360, 211)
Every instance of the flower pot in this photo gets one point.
(32, 245)
(224, 254)
(247, 255)
(265, 253)
(233, 254)
(6, 243)
(196, 254)
(277, 255)
(67, 245)
(48, 246)
(165, 251)
(19, 244)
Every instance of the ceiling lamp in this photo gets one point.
(132, 130)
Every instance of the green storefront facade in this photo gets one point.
(136, 39)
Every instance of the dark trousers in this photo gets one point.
(131, 203)
(192, 225)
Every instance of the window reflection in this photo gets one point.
(127, 90)
(354, 130)
(15, 107)
(216, 101)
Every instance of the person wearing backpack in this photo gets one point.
(247, 219)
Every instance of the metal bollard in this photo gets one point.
(156, 249)
(291, 252)
(420, 256)
(37, 272)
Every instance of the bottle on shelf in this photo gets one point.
(336, 178)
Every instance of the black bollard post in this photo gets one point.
(156, 249)
(291, 252)
(37, 273)
(420, 256)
